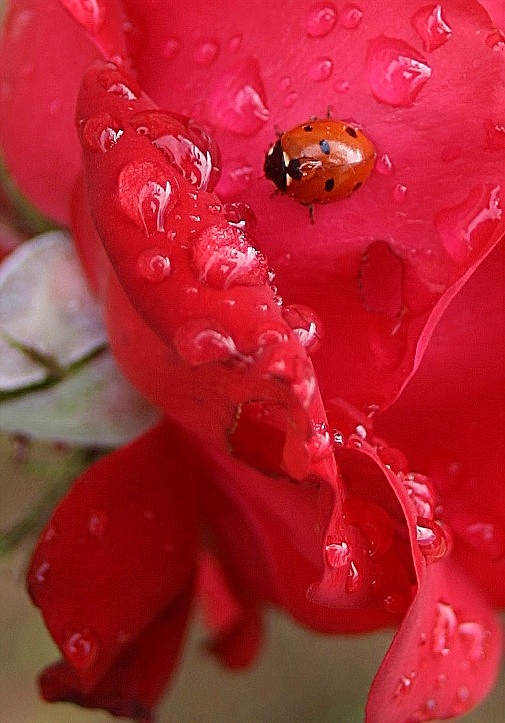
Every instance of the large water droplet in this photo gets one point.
(321, 69)
(205, 52)
(81, 649)
(432, 539)
(320, 19)
(421, 493)
(351, 16)
(306, 325)
(148, 193)
(396, 71)
(101, 132)
(431, 26)
(475, 639)
(466, 228)
(154, 265)
(222, 256)
(238, 101)
(200, 341)
(444, 629)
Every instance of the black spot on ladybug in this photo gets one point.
(358, 185)
(293, 169)
(307, 128)
(329, 184)
(325, 147)
(351, 131)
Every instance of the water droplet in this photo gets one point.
(222, 256)
(171, 48)
(320, 444)
(258, 435)
(234, 43)
(270, 335)
(205, 52)
(441, 680)
(200, 341)
(321, 69)
(353, 581)
(475, 638)
(320, 19)
(351, 16)
(81, 649)
(115, 82)
(42, 572)
(101, 132)
(462, 702)
(239, 214)
(444, 629)
(341, 85)
(396, 71)
(466, 228)
(49, 534)
(431, 27)
(421, 494)
(238, 101)
(147, 193)
(337, 552)
(285, 82)
(306, 324)
(290, 99)
(495, 135)
(400, 192)
(431, 538)
(384, 165)
(98, 522)
(404, 685)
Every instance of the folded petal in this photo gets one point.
(119, 548)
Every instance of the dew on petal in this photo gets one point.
(384, 165)
(205, 52)
(475, 639)
(147, 194)
(101, 132)
(222, 257)
(321, 69)
(444, 629)
(200, 341)
(404, 685)
(421, 494)
(466, 228)
(320, 444)
(306, 325)
(234, 43)
(320, 19)
(42, 572)
(171, 48)
(239, 214)
(396, 71)
(337, 552)
(98, 522)
(351, 16)
(432, 539)
(153, 265)
(496, 41)
(495, 135)
(290, 99)
(431, 26)
(238, 100)
(115, 82)
(81, 649)
(400, 192)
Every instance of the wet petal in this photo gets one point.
(128, 519)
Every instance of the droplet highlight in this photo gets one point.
(320, 19)
(81, 649)
(431, 26)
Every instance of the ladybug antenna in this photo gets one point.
(329, 112)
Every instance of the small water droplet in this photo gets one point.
(42, 572)
(205, 52)
(234, 43)
(396, 71)
(384, 165)
(222, 256)
(462, 702)
(238, 100)
(117, 83)
(341, 85)
(467, 227)
(200, 341)
(404, 685)
(101, 132)
(290, 99)
(239, 214)
(400, 192)
(320, 444)
(81, 649)
(431, 27)
(49, 534)
(321, 69)
(444, 629)
(147, 194)
(98, 522)
(320, 19)
(337, 552)
(285, 82)
(496, 41)
(441, 680)
(306, 324)
(153, 265)
(171, 48)
(432, 539)
(495, 135)
(351, 16)
(421, 493)
(475, 638)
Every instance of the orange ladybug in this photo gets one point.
(320, 161)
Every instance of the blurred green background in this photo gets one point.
(301, 678)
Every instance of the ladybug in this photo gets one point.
(320, 161)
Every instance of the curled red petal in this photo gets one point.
(117, 550)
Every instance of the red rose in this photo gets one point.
(270, 479)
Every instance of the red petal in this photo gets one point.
(444, 658)
(118, 549)
(137, 679)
